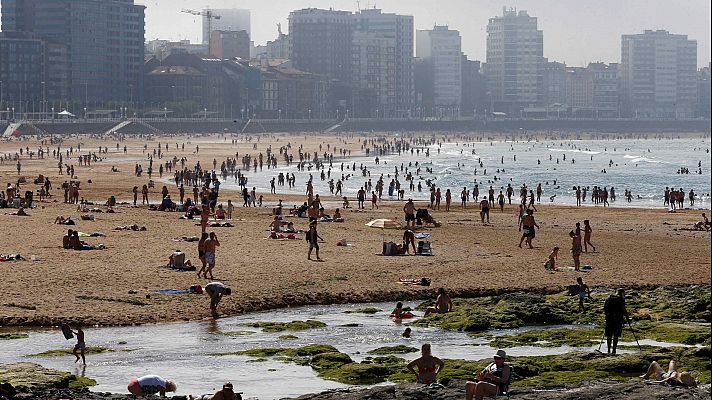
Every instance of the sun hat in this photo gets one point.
(500, 354)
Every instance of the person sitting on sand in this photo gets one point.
(671, 377)
(443, 304)
(151, 384)
(216, 291)
(77, 244)
(551, 262)
(491, 381)
(220, 212)
(67, 240)
(345, 203)
(276, 224)
(337, 216)
(227, 393)
(703, 225)
(60, 220)
(20, 212)
(428, 366)
(177, 260)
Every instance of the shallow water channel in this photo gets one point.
(181, 352)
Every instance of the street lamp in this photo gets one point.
(280, 113)
(205, 113)
(44, 99)
(310, 113)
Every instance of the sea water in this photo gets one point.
(183, 351)
(643, 166)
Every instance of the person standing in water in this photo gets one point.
(81, 346)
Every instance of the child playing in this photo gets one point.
(80, 346)
(230, 208)
(551, 262)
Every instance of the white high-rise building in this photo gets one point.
(441, 49)
(658, 75)
(515, 61)
(231, 19)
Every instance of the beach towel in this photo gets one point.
(423, 235)
(94, 234)
(171, 291)
(67, 331)
(186, 239)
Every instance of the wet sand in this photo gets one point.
(636, 247)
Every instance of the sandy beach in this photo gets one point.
(635, 246)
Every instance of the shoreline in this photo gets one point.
(13, 325)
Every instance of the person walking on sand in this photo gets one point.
(313, 238)
(135, 194)
(587, 236)
(576, 249)
(204, 217)
(526, 226)
(484, 209)
(201, 253)
(81, 346)
(615, 313)
(210, 247)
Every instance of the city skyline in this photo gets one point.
(606, 21)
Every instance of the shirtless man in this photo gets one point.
(409, 210)
(216, 291)
(484, 209)
(210, 246)
(80, 346)
(408, 239)
(443, 304)
(526, 226)
(204, 217)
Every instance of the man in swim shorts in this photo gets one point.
(409, 210)
(484, 209)
(216, 290)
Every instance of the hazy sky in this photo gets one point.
(575, 31)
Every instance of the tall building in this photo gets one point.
(22, 74)
(554, 85)
(383, 61)
(230, 44)
(474, 88)
(658, 75)
(515, 61)
(104, 42)
(230, 19)
(441, 49)
(321, 42)
(579, 91)
(606, 100)
(703, 92)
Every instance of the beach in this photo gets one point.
(636, 247)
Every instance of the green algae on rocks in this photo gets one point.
(66, 352)
(399, 349)
(12, 336)
(29, 377)
(286, 326)
(288, 337)
(368, 310)
(548, 338)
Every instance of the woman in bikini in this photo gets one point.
(428, 366)
(201, 254)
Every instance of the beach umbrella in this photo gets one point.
(383, 224)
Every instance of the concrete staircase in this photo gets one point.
(11, 129)
(117, 127)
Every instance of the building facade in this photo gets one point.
(474, 88)
(554, 85)
(280, 48)
(22, 75)
(703, 93)
(441, 50)
(515, 61)
(658, 75)
(230, 19)
(606, 99)
(104, 42)
(389, 44)
(230, 44)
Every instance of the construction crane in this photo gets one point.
(208, 14)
